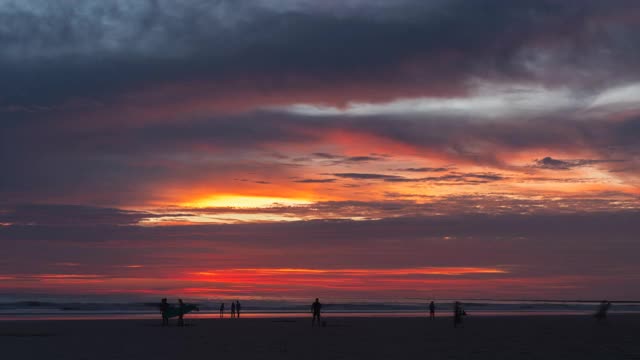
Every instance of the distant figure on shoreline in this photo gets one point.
(458, 313)
(237, 309)
(432, 310)
(164, 306)
(221, 310)
(315, 309)
(601, 314)
(233, 309)
(181, 316)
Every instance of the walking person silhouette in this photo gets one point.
(164, 307)
(181, 316)
(233, 309)
(221, 310)
(458, 313)
(315, 309)
(237, 309)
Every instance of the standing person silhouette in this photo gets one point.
(181, 316)
(164, 307)
(315, 309)
(458, 312)
(432, 310)
(237, 309)
(221, 310)
(233, 309)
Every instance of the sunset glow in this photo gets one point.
(275, 149)
(238, 201)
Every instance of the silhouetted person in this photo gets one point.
(181, 307)
(315, 309)
(601, 314)
(237, 309)
(458, 312)
(432, 310)
(164, 307)
(233, 309)
(221, 310)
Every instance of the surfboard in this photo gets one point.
(175, 311)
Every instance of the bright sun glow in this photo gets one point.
(235, 201)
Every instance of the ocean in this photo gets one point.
(77, 310)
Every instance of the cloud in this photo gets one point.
(424, 169)
(556, 164)
(315, 181)
(335, 159)
(453, 177)
(466, 178)
(69, 215)
(184, 82)
(326, 156)
(229, 48)
(357, 159)
(364, 176)
(120, 165)
(481, 103)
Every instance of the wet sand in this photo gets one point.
(504, 337)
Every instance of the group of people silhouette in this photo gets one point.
(458, 312)
(169, 311)
(235, 309)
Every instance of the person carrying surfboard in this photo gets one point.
(179, 311)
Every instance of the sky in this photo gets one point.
(295, 149)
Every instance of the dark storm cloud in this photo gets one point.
(76, 59)
(53, 55)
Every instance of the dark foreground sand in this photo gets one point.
(533, 337)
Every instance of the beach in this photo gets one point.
(500, 337)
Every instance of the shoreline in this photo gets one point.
(87, 316)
